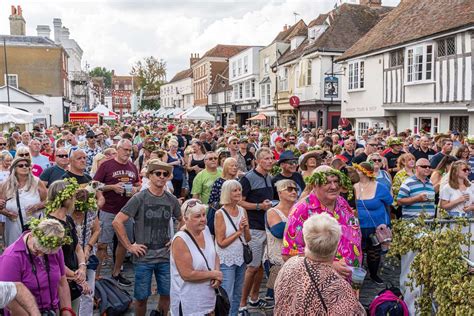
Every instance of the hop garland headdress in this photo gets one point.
(320, 178)
(48, 242)
(85, 201)
(368, 173)
(68, 192)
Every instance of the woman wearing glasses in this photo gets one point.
(21, 191)
(195, 266)
(195, 161)
(381, 176)
(457, 196)
(230, 237)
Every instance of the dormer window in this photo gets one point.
(316, 31)
(296, 41)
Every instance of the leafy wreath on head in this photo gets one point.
(69, 191)
(368, 173)
(320, 178)
(49, 242)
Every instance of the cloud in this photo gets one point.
(117, 33)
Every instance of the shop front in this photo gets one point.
(319, 114)
(244, 112)
(222, 112)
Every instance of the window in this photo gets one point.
(116, 86)
(265, 98)
(241, 91)
(247, 89)
(239, 67)
(12, 81)
(309, 72)
(446, 46)
(252, 88)
(459, 123)
(228, 97)
(246, 64)
(396, 58)
(234, 69)
(269, 98)
(124, 100)
(420, 63)
(283, 79)
(356, 75)
(117, 100)
(266, 65)
(362, 127)
(188, 99)
(429, 123)
(236, 91)
(215, 99)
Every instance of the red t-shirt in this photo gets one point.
(113, 172)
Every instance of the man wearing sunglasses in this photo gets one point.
(56, 171)
(153, 211)
(370, 148)
(40, 161)
(288, 164)
(202, 183)
(91, 149)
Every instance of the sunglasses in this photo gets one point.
(212, 158)
(466, 170)
(291, 189)
(24, 155)
(23, 165)
(291, 162)
(62, 156)
(376, 160)
(191, 203)
(165, 174)
(425, 167)
(3, 144)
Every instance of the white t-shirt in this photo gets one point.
(450, 194)
(7, 293)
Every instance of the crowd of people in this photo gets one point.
(200, 206)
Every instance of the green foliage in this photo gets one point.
(48, 242)
(66, 194)
(320, 178)
(102, 72)
(437, 266)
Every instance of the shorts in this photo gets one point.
(107, 231)
(144, 273)
(257, 244)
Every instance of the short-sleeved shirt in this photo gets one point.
(256, 188)
(153, 223)
(248, 157)
(84, 179)
(203, 182)
(360, 158)
(40, 163)
(419, 153)
(436, 159)
(412, 187)
(90, 154)
(113, 172)
(52, 174)
(16, 267)
(349, 247)
(7, 293)
(449, 194)
(296, 176)
(373, 212)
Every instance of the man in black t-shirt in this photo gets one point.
(370, 147)
(396, 151)
(248, 156)
(288, 164)
(424, 151)
(77, 167)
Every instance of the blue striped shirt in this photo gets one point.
(413, 187)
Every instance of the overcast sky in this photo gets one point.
(117, 33)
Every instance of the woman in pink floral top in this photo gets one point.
(325, 198)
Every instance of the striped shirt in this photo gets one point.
(413, 187)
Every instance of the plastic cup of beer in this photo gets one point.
(358, 277)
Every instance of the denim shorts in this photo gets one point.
(144, 273)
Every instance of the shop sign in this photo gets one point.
(294, 101)
(331, 87)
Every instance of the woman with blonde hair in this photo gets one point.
(232, 231)
(96, 162)
(381, 175)
(457, 196)
(195, 266)
(406, 167)
(22, 197)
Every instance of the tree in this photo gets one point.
(151, 74)
(102, 72)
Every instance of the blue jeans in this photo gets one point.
(143, 276)
(233, 282)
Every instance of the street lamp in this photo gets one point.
(223, 113)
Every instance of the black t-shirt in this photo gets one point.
(256, 188)
(418, 153)
(80, 179)
(52, 174)
(69, 251)
(249, 157)
(349, 157)
(360, 158)
(297, 177)
(392, 158)
(207, 146)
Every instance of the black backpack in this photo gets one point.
(112, 300)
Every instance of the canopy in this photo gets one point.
(174, 113)
(182, 114)
(102, 109)
(258, 117)
(165, 113)
(13, 115)
(198, 113)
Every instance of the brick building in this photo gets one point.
(123, 88)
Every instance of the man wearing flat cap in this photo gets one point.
(288, 164)
(153, 210)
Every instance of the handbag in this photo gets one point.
(24, 227)
(311, 276)
(382, 231)
(248, 255)
(222, 299)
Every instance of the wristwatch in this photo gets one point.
(257, 207)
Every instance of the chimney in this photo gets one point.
(17, 22)
(64, 33)
(285, 27)
(43, 31)
(371, 3)
(194, 59)
(57, 29)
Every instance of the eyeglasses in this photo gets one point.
(291, 162)
(62, 156)
(212, 158)
(376, 160)
(165, 174)
(373, 145)
(425, 167)
(291, 189)
(23, 165)
(234, 143)
(191, 203)
(24, 155)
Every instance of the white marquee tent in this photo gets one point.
(198, 113)
(12, 115)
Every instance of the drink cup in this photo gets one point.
(358, 276)
(128, 189)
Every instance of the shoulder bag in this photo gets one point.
(248, 255)
(24, 227)
(222, 300)
(313, 279)
(382, 231)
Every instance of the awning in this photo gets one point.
(258, 117)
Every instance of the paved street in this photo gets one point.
(389, 273)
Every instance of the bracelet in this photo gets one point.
(68, 309)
